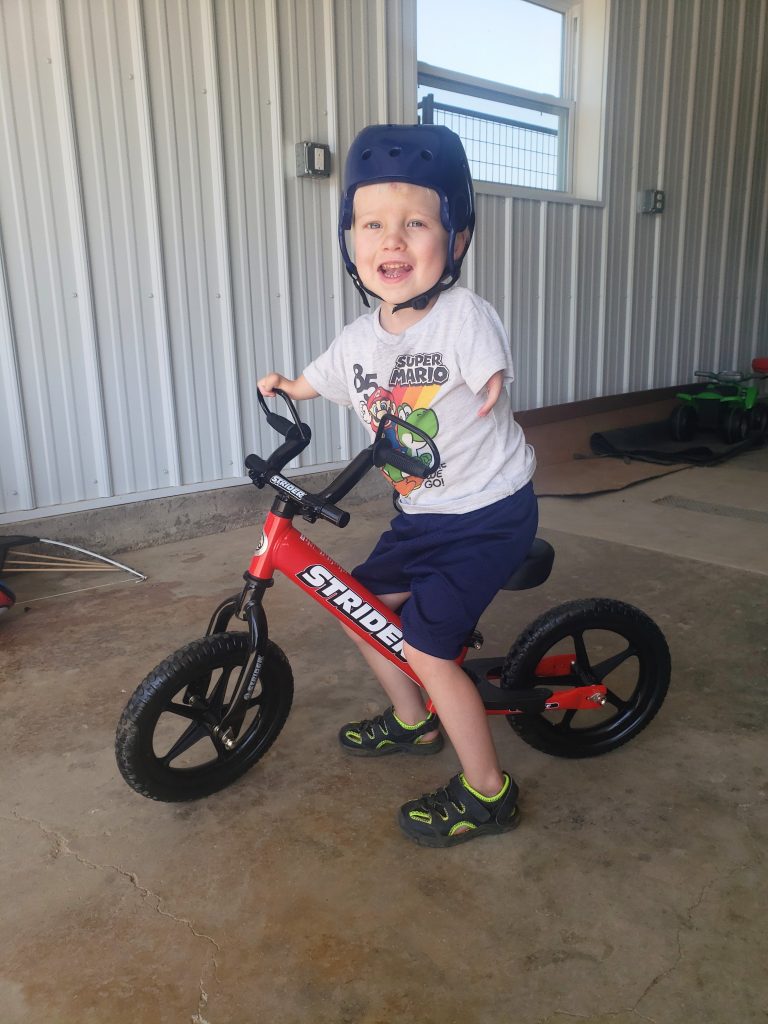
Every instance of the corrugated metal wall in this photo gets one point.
(158, 252)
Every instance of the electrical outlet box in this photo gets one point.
(313, 160)
(650, 200)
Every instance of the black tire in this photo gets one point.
(683, 423)
(758, 419)
(611, 643)
(735, 426)
(165, 746)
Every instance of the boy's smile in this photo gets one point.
(400, 245)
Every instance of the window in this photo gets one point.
(505, 75)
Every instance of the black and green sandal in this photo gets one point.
(457, 813)
(386, 734)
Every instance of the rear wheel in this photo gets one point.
(606, 642)
(168, 746)
(735, 426)
(758, 419)
(683, 423)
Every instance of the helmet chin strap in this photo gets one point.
(422, 301)
(418, 302)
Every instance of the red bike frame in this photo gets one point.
(284, 549)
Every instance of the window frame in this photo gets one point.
(483, 88)
(584, 78)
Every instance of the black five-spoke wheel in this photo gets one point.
(609, 643)
(174, 740)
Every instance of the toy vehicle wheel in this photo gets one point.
(758, 419)
(735, 426)
(610, 643)
(166, 745)
(683, 423)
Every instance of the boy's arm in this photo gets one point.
(493, 388)
(298, 389)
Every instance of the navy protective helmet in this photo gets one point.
(429, 155)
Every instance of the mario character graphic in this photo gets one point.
(379, 403)
(382, 402)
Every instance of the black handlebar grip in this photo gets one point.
(256, 464)
(333, 514)
(281, 424)
(388, 456)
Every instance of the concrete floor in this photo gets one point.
(634, 890)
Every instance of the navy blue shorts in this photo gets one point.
(452, 565)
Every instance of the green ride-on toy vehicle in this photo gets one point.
(729, 404)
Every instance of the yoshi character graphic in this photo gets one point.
(413, 445)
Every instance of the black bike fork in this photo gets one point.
(247, 607)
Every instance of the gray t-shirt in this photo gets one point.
(433, 375)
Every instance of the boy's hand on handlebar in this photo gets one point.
(268, 384)
(493, 389)
(298, 389)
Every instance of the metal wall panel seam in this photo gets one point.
(508, 269)
(299, 200)
(660, 183)
(159, 295)
(606, 165)
(604, 134)
(224, 283)
(382, 61)
(10, 378)
(334, 197)
(195, 256)
(182, 373)
(29, 291)
(254, 280)
(674, 364)
(82, 269)
(281, 219)
(760, 292)
(469, 266)
(747, 205)
(541, 293)
(708, 182)
(118, 440)
(157, 267)
(633, 186)
(573, 304)
(729, 187)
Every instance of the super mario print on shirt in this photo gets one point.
(408, 394)
(433, 376)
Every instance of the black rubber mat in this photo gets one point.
(650, 442)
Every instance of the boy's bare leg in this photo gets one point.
(463, 716)
(405, 696)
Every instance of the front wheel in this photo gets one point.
(167, 744)
(683, 423)
(597, 641)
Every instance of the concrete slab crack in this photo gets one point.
(63, 848)
(688, 924)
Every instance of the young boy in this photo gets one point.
(436, 356)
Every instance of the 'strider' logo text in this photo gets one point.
(353, 607)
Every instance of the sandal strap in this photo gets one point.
(454, 803)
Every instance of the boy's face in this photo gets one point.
(400, 244)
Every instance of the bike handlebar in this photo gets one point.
(322, 506)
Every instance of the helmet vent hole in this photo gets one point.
(365, 155)
(426, 155)
(395, 151)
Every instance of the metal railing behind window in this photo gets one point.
(499, 149)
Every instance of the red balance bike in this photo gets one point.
(581, 680)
